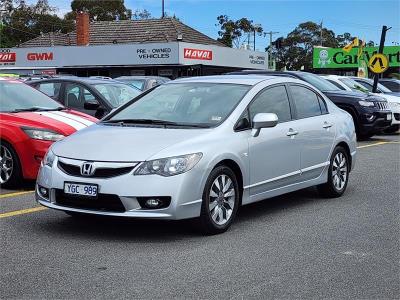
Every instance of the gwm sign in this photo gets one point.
(336, 58)
(39, 56)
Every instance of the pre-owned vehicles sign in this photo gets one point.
(337, 58)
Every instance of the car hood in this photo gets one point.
(65, 122)
(122, 144)
(353, 94)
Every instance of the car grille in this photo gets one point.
(102, 170)
(103, 202)
(382, 105)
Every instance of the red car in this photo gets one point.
(30, 122)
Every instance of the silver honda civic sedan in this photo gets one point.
(200, 148)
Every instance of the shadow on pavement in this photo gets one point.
(156, 231)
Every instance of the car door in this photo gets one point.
(76, 95)
(274, 155)
(316, 130)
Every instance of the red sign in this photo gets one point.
(49, 72)
(197, 54)
(40, 56)
(7, 57)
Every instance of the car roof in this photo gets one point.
(235, 79)
(86, 80)
(141, 77)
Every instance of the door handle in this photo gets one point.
(292, 132)
(327, 125)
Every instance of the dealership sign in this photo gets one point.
(337, 58)
(197, 54)
(158, 54)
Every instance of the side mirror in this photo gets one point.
(91, 105)
(263, 120)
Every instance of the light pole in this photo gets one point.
(256, 27)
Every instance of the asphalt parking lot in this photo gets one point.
(295, 246)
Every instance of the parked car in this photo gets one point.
(30, 122)
(348, 84)
(93, 96)
(368, 83)
(143, 83)
(371, 114)
(390, 83)
(201, 147)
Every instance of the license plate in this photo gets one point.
(389, 117)
(89, 190)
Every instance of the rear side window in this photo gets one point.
(272, 100)
(337, 84)
(51, 89)
(307, 102)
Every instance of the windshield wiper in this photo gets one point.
(153, 122)
(35, 108)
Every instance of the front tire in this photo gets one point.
(221, 198)
(338, 174)
(10, 167)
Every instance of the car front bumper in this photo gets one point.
(395, 108)
(185, 191)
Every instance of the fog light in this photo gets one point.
(43, 192)
(370, 117)
(153, 203)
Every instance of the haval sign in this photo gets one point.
(197, 54)
(7, 57)
(39, 56)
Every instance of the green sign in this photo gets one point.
(337, 58)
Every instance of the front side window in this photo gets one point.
(76, 96)
(353, 85)
(337, 84)
(206, 104)
(306, 101)
(272, 100)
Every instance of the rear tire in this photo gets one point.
(221, 198)
(338, 174)
(10, 167)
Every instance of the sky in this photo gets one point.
(362, 18)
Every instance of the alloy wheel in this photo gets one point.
(222, 199)
(6, 164)
(339, 171)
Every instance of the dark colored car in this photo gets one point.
(371, 113)
(391, 84)
(143, 83)
(93, 96)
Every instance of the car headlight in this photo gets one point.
(366, 103)
(169, 166)
(43, 134)
(394, 105)
(49, 158)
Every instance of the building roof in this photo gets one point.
(128, 31)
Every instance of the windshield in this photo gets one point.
(117, 93)
(205, 104)
(137, 83)
(354, 85)
(17, 96)
(318, 82)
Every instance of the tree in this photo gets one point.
(143, 14)
(297, 48)
(22, 22)
(107, 10)
(232, 32)
(344, 39)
